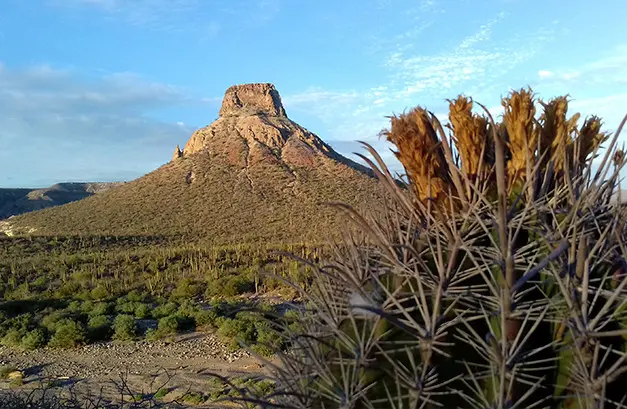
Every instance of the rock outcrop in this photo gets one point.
(252, 99)
(253, 127)
(178, 153)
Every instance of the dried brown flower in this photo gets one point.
(420, 152)
(590, 138)
(470, 133)
(518, 119)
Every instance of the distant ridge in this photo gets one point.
(17, 201)
(251, 175)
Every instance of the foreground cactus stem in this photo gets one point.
(497, 278)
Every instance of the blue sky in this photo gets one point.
(96, 90)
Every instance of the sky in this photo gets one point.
(103, 90)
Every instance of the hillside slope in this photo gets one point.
(251, 175)
(17, 201)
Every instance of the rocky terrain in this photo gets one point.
(180, 366)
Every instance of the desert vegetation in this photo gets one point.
(67, 292)
(219, 206)
(495, 279)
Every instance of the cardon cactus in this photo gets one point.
(496, 277)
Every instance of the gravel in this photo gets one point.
(114, 358)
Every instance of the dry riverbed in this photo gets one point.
(180, 366)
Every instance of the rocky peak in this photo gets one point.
(252, 99)
(253, 128)
(178, 153)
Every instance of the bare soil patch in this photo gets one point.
(181, 366)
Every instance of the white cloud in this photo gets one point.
(46, 91)
(609, 68)
(545, 74)
(99, 128)
(611, 109)
(595, 87)
(479, 65)
(474, 66)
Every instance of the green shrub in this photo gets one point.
(21, 322)
(230, 286)
(234, 330)
(100, 292)
(265, 387)
(34, 339)
(68, 334)
(74, 307)
(51, 320)
(126, 307)
(136, 296)
(152, 334)
(99, 328)
(87, 306)
(293, 320)
(142, 311)
(194, 398)
(164, 310)
(219, 306)
(187, 309)
(216, 388)
(168, 325)
(205, 318)
(160, 394)
(268, 340)
(124, 327)
(13, 338)
(100, 308)
(187, 289)
(68, 290)
(40, 282)
(84, 295)
(5, 370)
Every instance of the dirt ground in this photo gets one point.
(140, 367)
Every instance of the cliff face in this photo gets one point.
(252, 99)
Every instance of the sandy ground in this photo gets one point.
(180, 366)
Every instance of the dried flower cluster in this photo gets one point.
(552, 140)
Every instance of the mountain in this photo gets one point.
(252, 175)
(18, 201)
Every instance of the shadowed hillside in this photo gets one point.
(251, 175)
(17, 201)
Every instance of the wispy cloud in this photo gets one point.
(475, 65)
(596, 86)
(102, 128)
(611, 109)
(609, 68)
(476, 62)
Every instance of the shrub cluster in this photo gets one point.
(81, 322)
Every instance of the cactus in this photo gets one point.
(496, 278)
